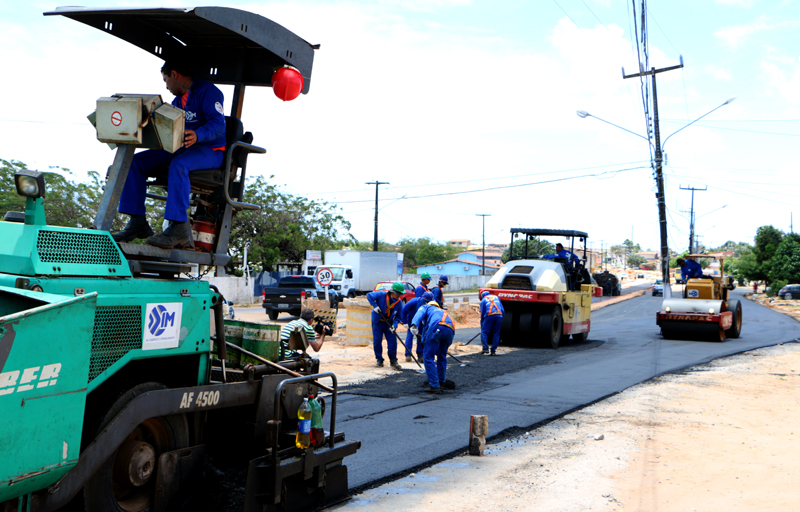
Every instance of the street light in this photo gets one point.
(583, 115)
(729, 100)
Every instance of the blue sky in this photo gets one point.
(445, 96)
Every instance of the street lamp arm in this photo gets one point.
(583, 114)
(729, 100)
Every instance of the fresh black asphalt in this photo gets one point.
(402, 427)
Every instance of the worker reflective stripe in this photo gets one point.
(494, 308)
(445, 319)
(389, 306)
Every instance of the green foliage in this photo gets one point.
(785, 264)
(634, 260)
(536, 247)
(285, 227)
(424, 251)
(631, 247)
(365, 245)
(767, 240)
(775, 287)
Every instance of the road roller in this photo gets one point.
(546, 300)
(705, 311)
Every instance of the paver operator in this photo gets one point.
(409, 310)
(438, 290)
(422, 287)
(437, 330)
(386, 308)
(491, 319)
(203, 146)
(689, 269)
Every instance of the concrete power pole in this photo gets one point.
(483, 244)
(691, 218)
(662, 206)
(376, 183)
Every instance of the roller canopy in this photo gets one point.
(549, 232)
(230, 46)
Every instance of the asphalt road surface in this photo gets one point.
(402, 428)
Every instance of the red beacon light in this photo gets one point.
(287, 83)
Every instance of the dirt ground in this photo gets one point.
(715, 437)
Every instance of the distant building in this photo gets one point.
(456, 242)
(465, 264)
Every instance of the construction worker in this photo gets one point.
(491, 318)
(423, 287)
(409, 310)
(689, 269)
(437, 334)
(385, 317)
(438, 290)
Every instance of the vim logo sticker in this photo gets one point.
(163, 326)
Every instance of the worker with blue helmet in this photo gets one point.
(409, 310)
(491, 319)
(438, 290)
(437, 330)
(387, 305)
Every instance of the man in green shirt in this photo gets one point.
(304, 322)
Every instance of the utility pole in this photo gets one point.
(483, 245)
(691, 217)
(376, 183)
(662, 206)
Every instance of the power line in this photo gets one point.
(506, 186)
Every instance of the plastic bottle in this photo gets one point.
(303, 438)
(317, 429)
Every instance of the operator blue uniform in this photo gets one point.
(419, 290)
(691, 269)
(438, 295)
(437, 331)
(205, 115)
(409, 310)
(563, 253)
(491, 319)
(390, 311)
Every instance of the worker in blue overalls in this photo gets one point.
(437, 334)
(689, 269)
(385, 317)
(409, 310)
(563, 253)
(203, 147)
(438, 290)
(422, 287)
(491, 319)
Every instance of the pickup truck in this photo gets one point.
(286, 297)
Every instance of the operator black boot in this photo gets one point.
(394, 364)
(177, 235)
(137, 227)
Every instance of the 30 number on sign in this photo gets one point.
(324, 277)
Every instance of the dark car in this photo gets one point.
(789, 292)
(287, 297)
(407, 296)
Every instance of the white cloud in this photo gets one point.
(741, 3)
(719, 73)
(735, 35)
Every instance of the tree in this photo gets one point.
(424, 251)
(285, 226)
(767, 240)
(785, 264)
(536, 247)
(634, 260)
(631, 247)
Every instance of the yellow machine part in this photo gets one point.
(708, 289)
(580, 306)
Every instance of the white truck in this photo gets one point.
(357, 272)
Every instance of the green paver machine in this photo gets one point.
(115, 395)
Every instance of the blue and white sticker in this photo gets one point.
(162, 326)
(694, 293)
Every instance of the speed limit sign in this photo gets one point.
(324, 277)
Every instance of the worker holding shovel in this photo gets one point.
(385, 317)
(409, 310)
(437, 330)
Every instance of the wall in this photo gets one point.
(234, 289)
(456, 282)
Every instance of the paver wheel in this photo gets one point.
(126, 482)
